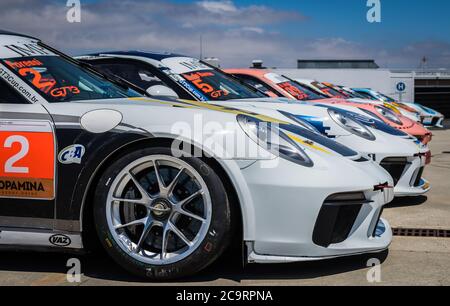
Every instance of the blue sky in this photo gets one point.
(403, 20)
(278, 32)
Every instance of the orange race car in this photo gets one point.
(276, 85)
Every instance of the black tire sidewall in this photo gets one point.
(213, 245)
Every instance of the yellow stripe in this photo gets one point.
(224, 109)
(236, 111)
(220, 108)
(312, 146)
(392, 107)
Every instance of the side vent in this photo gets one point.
(337, 217)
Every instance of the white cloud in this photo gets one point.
(254, 30)
(218, 7)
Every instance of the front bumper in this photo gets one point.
(383, 241)
(436, 121)
(288, 210)
(407, 174)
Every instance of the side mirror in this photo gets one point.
(162, 91)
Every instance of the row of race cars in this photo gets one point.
(166, 161)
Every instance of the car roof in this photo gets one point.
(305, 81)
(248, 71)
(5, 32)
(152, 55)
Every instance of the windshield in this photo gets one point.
(205, 82)
(353, 94)
(59, 80)
(293, 88)
(329, 91)
(366, 95)
(386, 98)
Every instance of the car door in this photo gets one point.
(27, 163)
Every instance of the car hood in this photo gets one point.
(147, 113)
(318, 116)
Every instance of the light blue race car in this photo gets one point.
(428, 116)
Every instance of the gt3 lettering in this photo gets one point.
(62, 92)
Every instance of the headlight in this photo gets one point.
(388, 114)
(270, 137)
(351, 125)
(303, 123)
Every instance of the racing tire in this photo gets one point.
(157, 233)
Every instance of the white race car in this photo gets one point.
(428, 117)
(85, 156)
(377, 97)
(187, 78)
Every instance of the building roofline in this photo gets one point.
(335, 60)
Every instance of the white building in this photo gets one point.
(428, 87)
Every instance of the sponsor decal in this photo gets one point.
(16, 83)
(180, 65)
(37, 79)
(23, 49)
(60, 240)
(72, 154)
(27, 160)
(63, 91)
(24, 64)
(293, 91)
(201, 81)
(36, 73)
(275, 78)
(193, 91)
(26, 188)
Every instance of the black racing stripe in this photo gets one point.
(39, 116)
(23, 116)
(66, 119)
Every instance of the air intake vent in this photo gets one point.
(395, 166)
(418, 180)
(336, 218)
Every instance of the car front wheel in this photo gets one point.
(162, 217)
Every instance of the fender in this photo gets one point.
(110, 147)
(99, 148)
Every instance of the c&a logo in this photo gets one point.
(72, 154)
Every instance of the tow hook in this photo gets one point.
(428, 157)
(382, 187)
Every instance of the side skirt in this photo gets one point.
(34, 239)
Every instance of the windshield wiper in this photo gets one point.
(110, 77)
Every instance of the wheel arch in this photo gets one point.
(86, 215)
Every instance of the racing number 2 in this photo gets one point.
(27, 160)
(25, 146)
